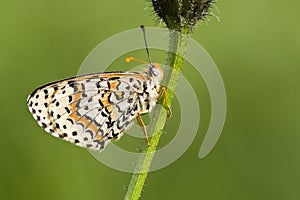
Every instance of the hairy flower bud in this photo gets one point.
(181, 15)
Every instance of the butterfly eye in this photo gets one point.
(154, 71)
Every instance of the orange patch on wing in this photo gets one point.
(113, 84)
(109, 108)
(73, 108)
(93, 127)
(106, 103)
(76, 98)
(74, 117)
(99, 137)
(105, 100)
(84, 121)
(119, 95)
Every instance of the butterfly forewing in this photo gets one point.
(89, 110)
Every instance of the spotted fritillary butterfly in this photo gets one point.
(91, 110)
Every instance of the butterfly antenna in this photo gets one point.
(146, 45)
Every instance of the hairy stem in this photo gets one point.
(175, 60)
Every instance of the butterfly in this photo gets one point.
(92, 110)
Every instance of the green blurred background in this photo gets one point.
(256, 47)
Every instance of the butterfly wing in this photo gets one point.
(89, 110)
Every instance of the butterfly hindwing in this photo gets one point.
(89, 110)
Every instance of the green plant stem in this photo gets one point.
(175, 60)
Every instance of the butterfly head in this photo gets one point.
(156, 71)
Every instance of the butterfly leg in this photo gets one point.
(163, 91)
(140, 120)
